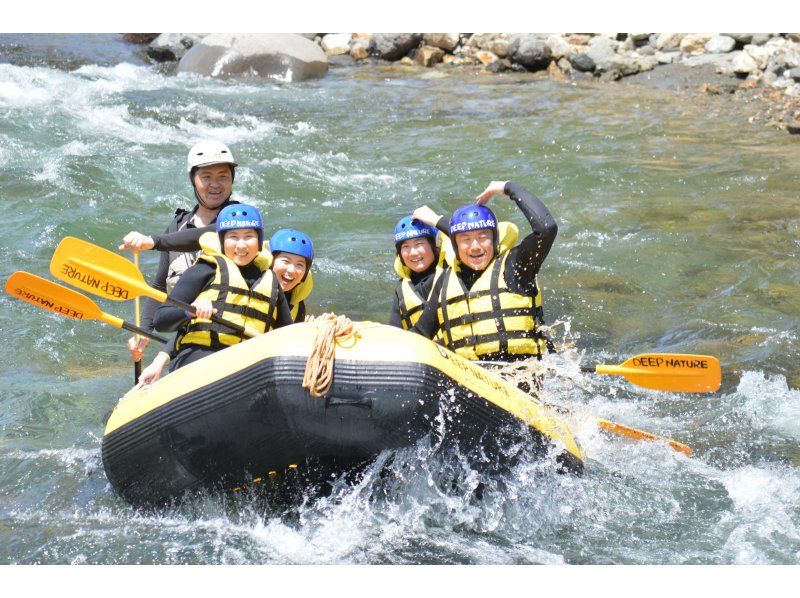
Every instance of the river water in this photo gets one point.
(678, 232)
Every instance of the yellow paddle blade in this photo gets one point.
(636, 434)
(676, 372)
(51, 296)
(99, 271)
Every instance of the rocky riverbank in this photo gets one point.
(760, 68)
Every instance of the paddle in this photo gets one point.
(676, 372)
(636, 434)
(110, 275)
(65, 302)
(137, 365)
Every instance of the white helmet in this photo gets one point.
(206, 153)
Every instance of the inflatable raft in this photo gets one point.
(242, 415)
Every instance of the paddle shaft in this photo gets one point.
(137, 365)
(137, 287)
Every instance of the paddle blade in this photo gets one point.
(51, 296)
(636, 434)
(99, 271)
(675, 372)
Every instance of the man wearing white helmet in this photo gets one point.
(211, 170)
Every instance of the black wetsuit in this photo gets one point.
(180, 236)
(523, 262)
(192, 282)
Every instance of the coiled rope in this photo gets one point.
(331, 330)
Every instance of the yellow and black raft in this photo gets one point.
(242, 413)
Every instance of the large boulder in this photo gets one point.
(530, 51)
(284, 56)
(445, 41)
(393, 46)
(496, 43)
(335, 44)
(169, 47)
(669, 41)
(720, 44)
(695, 43)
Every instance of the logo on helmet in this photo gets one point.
(473, 225)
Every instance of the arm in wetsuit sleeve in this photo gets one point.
(527, 257)
(159, 282)
(184, 240)
(284, 315)
(394, 315)
(428, 323)
(189, 286)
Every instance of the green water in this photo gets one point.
(678, 232)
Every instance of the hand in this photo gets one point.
(137, 347)
(203, 309)
(152, 372)
(136, 241)
(494, 188)
(425, 215)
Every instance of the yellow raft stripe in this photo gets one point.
(397, 346)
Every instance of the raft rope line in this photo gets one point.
(331, 330)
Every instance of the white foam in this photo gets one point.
(770, 403)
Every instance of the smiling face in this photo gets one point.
(241, 245)
(417, 254)
(214, 184)
(476, 248)
(290, 269)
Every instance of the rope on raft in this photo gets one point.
(331, 329)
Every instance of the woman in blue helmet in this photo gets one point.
(417, 264)
(292, 255)
(231, 279)
(487, 304)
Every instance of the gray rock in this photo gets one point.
(445, 41)
(788, 57)
(743, 64)
(393, 46)
(619, 66)
(759, 53)
(169, 47)
(695, 43)
(794, 74)
(720, 44)
(285, 56)
(646, 62)
(496, 43)
(717, 60)
(559, 47)
(669, 41)
(529, 51)
(335, 44)
(601, 49)
(647, 51)
(668, 57)
(741, 38)
(582, 62)
(759, 39)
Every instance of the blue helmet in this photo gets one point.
(292, 241)
(409, 228)
(240, 215)
(472, 217)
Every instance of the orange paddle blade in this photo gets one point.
(636, 434)
(99, 271)
(676, 372)
(51, 296)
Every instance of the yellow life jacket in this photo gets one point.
(299, 294)
(255, 308)
(488, 320)
(410, 301)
